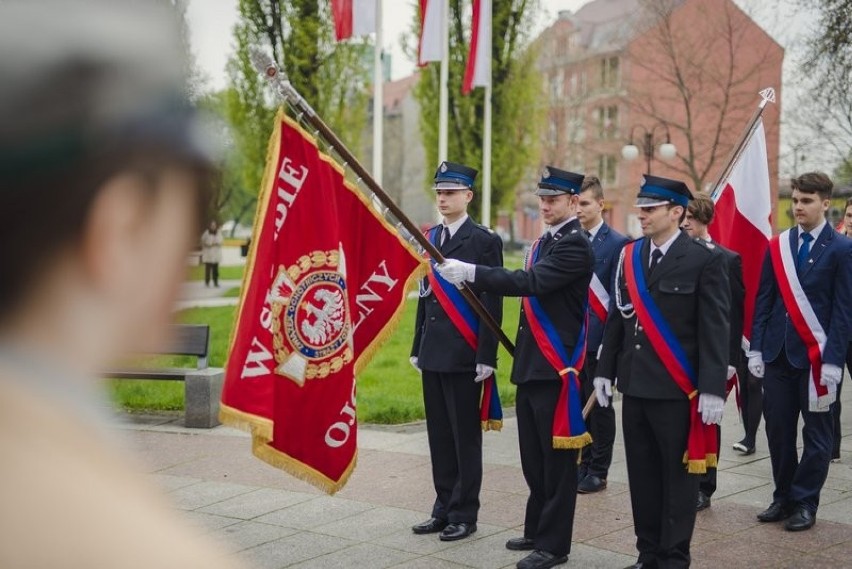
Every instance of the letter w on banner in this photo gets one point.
(743, 211)
(325, 282)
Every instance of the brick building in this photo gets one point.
(685, 70)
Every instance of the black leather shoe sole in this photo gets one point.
(520, 544)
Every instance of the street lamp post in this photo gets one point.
(667, 150)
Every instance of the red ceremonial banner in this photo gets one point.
(325, 282)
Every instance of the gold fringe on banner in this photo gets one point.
(576, 442)
(492, 425)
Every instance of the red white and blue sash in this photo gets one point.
(467, 322)
(701, 443)
(803, 317)
(569, 428)
(598, 298)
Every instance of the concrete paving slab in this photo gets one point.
(361, 555)
(256, 503)
(315, 512)
(245, 535)
(206, 493)
(484, 553)
(293, 549)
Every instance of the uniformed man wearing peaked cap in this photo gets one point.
(666, 340)
(455, 362)
(554, 287)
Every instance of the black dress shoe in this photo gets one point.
(520, 544)
(703, 502)
(457, 530)
(432, 525)
(801, 520)
(640, 566)
(591, 484)
(774, 513)
(540, 559)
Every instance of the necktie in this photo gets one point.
(445, 237)
(588, 234)
(547, 238)
(802, 258)
(655, 259)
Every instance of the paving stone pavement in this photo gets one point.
(272, 520)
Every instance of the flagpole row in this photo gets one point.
(767, 96)
(276, 77)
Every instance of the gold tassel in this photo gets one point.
(697, 467)
(576, 442)
(492, 425)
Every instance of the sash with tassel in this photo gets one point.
(702, 440)
(569, 427)
(467, 322)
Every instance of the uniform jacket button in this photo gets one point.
(432, 318)
(638, 346)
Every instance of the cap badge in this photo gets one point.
(443, 167)
(545, 173)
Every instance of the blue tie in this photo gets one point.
(802, 258)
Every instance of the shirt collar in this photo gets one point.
(814, 232)
(454, 226)
(665, 246)
(594, 230)
(554, 229)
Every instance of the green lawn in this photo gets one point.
(389, 389)
(230, 272)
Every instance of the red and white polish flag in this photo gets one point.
(353, 18)
(743, 214)
(478, 70)
(432, 24)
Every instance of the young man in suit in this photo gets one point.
(666, 340)
(799, 339)
(555, 287)
(699, 215)
(453, 367)
(606, 244)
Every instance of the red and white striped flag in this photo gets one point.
(431, 31)
(743, 213)
(478, 71)
(353, 18)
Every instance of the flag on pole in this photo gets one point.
(353, 18)
(325, 282)
(743, 213)
(431, 31)
(478, 70)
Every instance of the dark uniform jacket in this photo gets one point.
(735, 279)
(560, 281)
(438, 344)
(690, 287)
(607, 245)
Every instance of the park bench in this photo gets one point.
(202, 384)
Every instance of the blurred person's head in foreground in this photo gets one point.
(103, 176)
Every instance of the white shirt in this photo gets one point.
(554, 229)
(664, 248)
(814, 233)
(594, 230)
(454, 226)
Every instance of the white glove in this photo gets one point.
(710, 407)
(831, 375)
(731, 371)
(603, 390)
(456, 271)
(414, 362)
(483, 372)
(755, 364)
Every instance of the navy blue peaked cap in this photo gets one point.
(655, 191)
(555, 182)
(452, 176)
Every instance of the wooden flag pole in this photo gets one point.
(265, 65)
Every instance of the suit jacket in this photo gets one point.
(438, 344)
(606, 245)
(827, 282)
(735, 278)
(560, 281)
(690, 287)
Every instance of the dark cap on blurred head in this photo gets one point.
(555, 182)
(452, 176)
(655, 191)
(80, 76)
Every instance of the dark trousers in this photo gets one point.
(551, 474)
(707, 484)
(835, 450)
(751, 399)
(455, 443)
(211, 271)
(662, 493)
(785, 397)
(600, 423)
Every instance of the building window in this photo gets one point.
(556, 87)
(606, 168)
(609, 73)
(606, 119)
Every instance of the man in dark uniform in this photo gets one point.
(452, 369)
(666, 340)
(799, 338)
(699, 215)
(556, 284)
(606, 244)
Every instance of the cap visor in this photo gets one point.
(650, 202)
(450, 186)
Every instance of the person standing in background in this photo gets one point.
(211, 253)
(835, 450)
